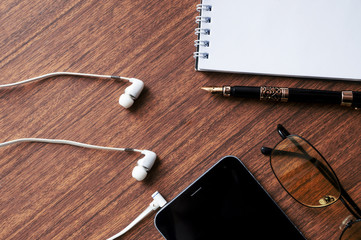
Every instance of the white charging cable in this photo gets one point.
(158, 201)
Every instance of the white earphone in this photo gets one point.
(126, 100)
(139, 172)
(131, 93)
(144, 165)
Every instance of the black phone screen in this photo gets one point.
(226, 202)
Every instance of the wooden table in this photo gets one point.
(52, 191)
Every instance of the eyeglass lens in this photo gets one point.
(304, 173)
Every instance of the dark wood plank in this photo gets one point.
(63, 192)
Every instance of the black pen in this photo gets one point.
(280, 94)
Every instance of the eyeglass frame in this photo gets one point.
(350, 205)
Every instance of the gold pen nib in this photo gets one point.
(213, 90)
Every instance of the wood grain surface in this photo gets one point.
(52, 191)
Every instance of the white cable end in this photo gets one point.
(159, 199)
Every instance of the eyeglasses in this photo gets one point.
(305, 174)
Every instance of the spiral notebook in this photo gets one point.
(301, 38)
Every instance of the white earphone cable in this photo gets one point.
(55, 74)
(126, 100)
(67, 142)
(146, 163)
(158, 202)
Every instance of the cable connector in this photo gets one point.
(158, 201)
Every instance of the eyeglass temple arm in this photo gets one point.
(284, 133)
(268, 151)
(350, 204)
(325, 172)
(321, 167)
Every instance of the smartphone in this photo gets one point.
(226, 202)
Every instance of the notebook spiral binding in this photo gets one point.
(202, 31)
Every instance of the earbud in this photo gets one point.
(144, 165)
(131, 93)
(139, 172)
(126, 100)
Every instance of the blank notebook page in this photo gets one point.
(305, 38)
